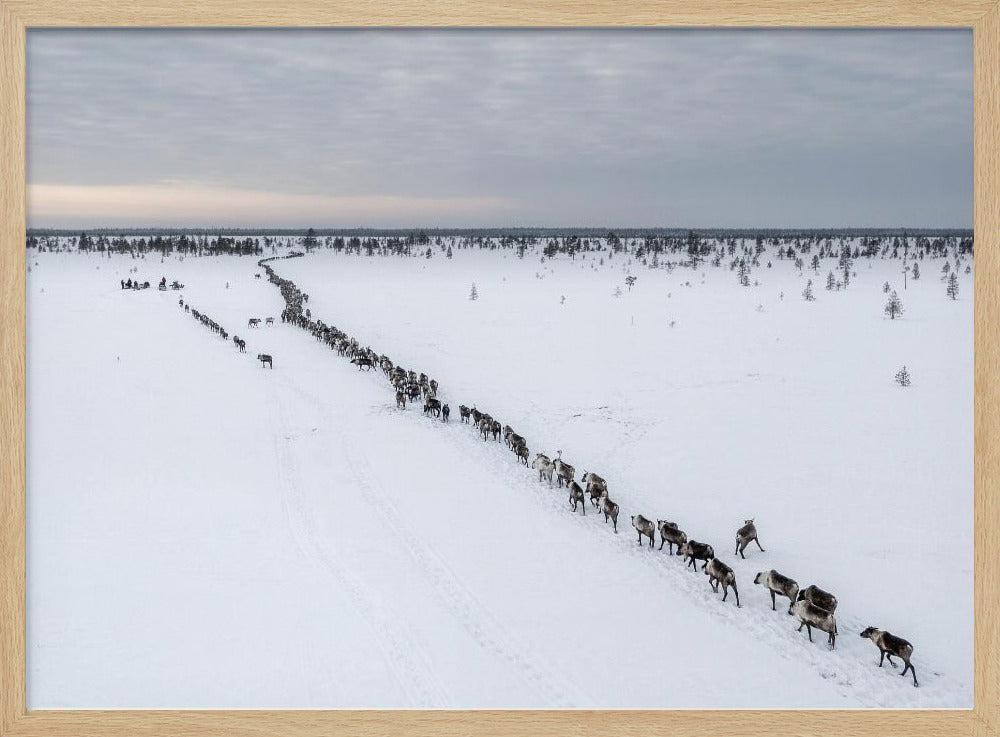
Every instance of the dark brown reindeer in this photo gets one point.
(719, 573)
(576, 496)
(819, 597)
(694, 551)
(671, 535)
(888, 645)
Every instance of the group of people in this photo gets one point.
(135, 284)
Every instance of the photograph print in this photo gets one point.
(500, 369)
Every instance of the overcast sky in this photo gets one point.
(451, 128)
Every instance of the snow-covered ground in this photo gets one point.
(204, 532)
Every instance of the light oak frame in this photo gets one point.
(983, 16)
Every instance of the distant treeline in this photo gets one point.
(678, 247)
(421, 234)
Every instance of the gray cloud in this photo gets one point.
(638, 127)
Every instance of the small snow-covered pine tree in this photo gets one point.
(618, 291)
(807, 293)
(903, 377)
(894, 306)
(916, 271)
(474, 294)
(886, 287)
(952, 289)
(831, 281)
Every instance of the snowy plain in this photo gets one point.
(207, 533)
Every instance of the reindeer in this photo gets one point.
(693, 551)
(464, 412)
(778, 584)
(522, 454)
(644, 527)
(744, 535)
(544, 466)
(265, 359)
(719, 573)
(476, 416)
(564, 471)
(610, 510)
(445, 412)
(362, 362)
(241, 344)
(400, 400)
(576, 495)
(888, 645)
(253, 322)
(816, 595)
(596, 486)
(671, 535)
(811, 616)
(432, 406)
(269, 321)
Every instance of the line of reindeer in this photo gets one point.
(241, 345)
(812, 606)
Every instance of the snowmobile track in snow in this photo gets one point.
(404, 652)
(472, 615)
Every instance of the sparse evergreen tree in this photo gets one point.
(886, 287)
(916, 271)
(894, 306)
(630, 280)
(831, 281)
(903, 377)
(807, 293)
(815, 263)
(474, 294)
(945, 270)
(952, 288)
(618, 291)
(310, 242)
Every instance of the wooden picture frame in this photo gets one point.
(16, 16)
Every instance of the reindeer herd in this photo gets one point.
(812, 607)
(241, 345)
